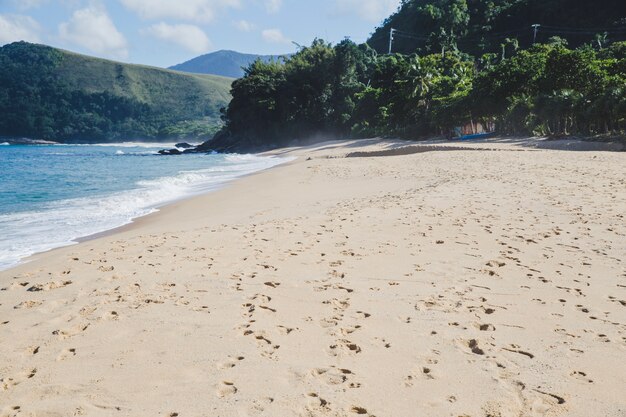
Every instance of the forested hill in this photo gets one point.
(225, 63)
(48, 93)
(570, 81)
(480, 26)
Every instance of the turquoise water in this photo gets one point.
(51, 195)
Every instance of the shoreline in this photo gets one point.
(443, 283)
(138, 221)
(134, 222)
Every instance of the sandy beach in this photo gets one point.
(488, 282)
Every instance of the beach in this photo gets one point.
(483, 280)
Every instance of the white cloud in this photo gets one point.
(371, 10)
(34, 4)
(190, 10)
(189, 37)
(273, 6)
(92, 28)
(274, 36)
(18, 28)
(244, 25)
(28, 4)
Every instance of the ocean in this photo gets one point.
(51, 195)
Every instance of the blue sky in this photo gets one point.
(168, 32)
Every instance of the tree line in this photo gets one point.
(349, 90)
(480, 26)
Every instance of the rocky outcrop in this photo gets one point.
(170, 152)
(184, 145)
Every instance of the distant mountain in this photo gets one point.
(224, 63)
(52, 94)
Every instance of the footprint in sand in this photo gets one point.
(473, 345)
(49, 286)
(110, 315)
(581, 376)
(66, 354)
(485, 327)
(263, 343)
(259, 406)
(316, 401)
(358, 410)
(330, 321)
(106, 268)
(262, 298)
(344, 346)
(73, 331)
(349, 330)
(285, 330)
(7, 383)
(12, 411)
(231, 362)
(362, 315)
(226, 389)
(338, 305)
(333, 376)
(27, 305)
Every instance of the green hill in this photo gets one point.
(225, 63)
(444, 77)
(481, 26)
(48, 93)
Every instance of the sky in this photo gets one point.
(167, 32)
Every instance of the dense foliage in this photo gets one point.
(481, 26)
(313, 92)
(350, 91)
(455, 63)
(46, 93)
(552, 90)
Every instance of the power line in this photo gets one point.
(611, 29)
(536, 30)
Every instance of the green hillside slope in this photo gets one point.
(47, 93)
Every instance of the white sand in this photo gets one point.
(458, 283)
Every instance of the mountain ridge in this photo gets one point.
(224, 62)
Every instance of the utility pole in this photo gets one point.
(536, 29)
(391, 39)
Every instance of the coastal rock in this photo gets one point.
(170, 152)
(184, 145)
(191, 149)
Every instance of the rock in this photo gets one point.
(170, 152)
(183, 145)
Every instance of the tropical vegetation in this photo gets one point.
(546, 87)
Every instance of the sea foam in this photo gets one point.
(60, 223)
